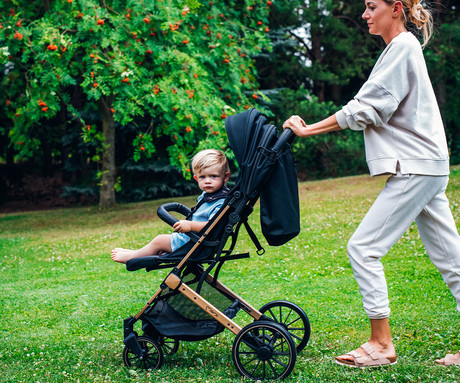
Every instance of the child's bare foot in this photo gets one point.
(450, 359)
(123, 255)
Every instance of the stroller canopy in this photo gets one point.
(267, 169)
(247, 132)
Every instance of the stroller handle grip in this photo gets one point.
(163, 212)
(287, 136)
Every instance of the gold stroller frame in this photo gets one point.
(266, 349)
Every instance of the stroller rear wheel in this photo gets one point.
(264, 350)
(150, 359)
(292, 318)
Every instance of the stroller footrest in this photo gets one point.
(153, 262)
(143, 262)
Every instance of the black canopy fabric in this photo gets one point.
(267, 172)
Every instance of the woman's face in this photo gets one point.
(381, 17)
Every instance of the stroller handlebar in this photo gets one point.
(287, 136)
(163, 212)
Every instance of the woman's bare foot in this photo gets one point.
(450, 359)
(123, 255)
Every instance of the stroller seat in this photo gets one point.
(206, 246)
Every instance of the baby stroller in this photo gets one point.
(191, 303)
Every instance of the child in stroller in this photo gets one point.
(192, 304)
(211, 171)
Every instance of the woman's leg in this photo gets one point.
(440, 237)
(394, 210)
(161, 243)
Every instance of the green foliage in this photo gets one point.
(324, 47)
(186, 63)
(328, 155)
(152, 179)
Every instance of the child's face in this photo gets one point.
(211, 179)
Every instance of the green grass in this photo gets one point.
(63, 301)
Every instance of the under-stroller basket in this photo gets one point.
(169, 323)
(176, 317)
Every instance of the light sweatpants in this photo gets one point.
(404, 199)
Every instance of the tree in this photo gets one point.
(322, 54)
(185, 64)
(319, 45)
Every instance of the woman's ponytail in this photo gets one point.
(420, 17)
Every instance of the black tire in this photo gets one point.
(169, 346)
(152, 358)
(264, 350)
(292, 318)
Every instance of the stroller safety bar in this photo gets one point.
(163, 212)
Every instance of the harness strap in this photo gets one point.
(260, 249)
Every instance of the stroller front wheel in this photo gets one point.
(150, 359)
(264, 350)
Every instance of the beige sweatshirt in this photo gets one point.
(398, 112)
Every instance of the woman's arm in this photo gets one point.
(301, 129)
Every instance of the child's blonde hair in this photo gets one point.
(210, 157)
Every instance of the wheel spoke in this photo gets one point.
(295, 320)
(271, 312)
(249, 361)
(255, 368)
(295, 336)
(287, 316)
(273, 367)
(281, 343)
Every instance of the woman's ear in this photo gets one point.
(397, 8)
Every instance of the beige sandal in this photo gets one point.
(372, 358)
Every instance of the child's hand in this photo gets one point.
(183, 226)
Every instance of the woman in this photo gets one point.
(404, 137)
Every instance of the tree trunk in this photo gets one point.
(107, 191)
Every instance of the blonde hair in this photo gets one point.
(414, 12)
(210, 157)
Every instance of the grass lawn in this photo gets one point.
(63, 300)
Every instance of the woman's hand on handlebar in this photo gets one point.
(301, 129)
(296, 124)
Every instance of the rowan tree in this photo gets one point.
(187, 64)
